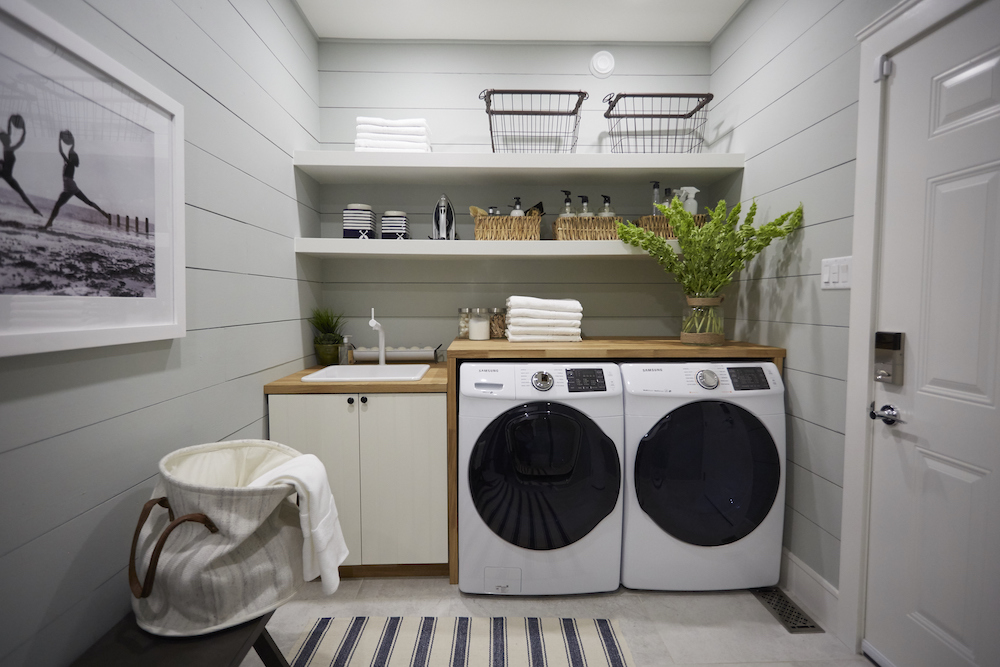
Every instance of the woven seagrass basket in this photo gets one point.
(508, 228)
(659, 225)
(586, 229)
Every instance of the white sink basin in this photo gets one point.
(387, 373)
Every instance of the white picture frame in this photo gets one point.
(131, 162)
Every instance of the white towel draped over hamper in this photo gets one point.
(210, 551)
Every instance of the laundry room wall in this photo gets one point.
(83, 430)
(417, 300)
(785, 80)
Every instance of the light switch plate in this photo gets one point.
(836, 273)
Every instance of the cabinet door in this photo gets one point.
(326, 425)
(404, 485)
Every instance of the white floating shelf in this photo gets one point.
(427, 249)
(350, 168)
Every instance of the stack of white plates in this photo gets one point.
(359, 222)
(395, 225)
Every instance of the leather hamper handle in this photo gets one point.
(144, 589)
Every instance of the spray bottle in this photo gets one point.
(585, 211)
(687, 197)
(606, 211)
(517, 207)
(567, 209)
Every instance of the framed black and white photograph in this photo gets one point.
(91, 194)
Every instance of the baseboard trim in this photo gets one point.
(415, 570)
(814, 594)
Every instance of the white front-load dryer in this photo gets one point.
(540, 455)
(704, 475)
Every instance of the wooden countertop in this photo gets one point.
(624, 347)
(435, 380)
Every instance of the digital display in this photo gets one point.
(745, 378)
(585, 379)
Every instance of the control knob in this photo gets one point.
(542, 381)
(707, 379)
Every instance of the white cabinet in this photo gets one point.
(386, 456)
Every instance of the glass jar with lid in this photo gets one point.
(498, 322)
(463, 322)
(479, 324)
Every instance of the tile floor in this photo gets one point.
(729, 629)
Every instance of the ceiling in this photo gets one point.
(521, 20)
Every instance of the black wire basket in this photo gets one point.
(657, 122)
(533, 121)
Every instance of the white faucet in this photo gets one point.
(381, 338)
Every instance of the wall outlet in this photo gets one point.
(836, 273)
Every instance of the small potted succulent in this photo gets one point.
(329, 336)
(710, 255)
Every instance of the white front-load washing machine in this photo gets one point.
(704, 475)
(540, 455)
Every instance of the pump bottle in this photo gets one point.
(605, 211)
(656, 197)
(517, 208)
(585, 211)
(567, 209)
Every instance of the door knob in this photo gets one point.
(888, 414)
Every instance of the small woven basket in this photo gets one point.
(508, 228)
(586, 229)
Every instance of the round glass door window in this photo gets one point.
(543, 475)
(707, 473)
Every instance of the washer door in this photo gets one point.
(543, 475)
(707, 473)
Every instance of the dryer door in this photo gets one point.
(543, 475)
(707, 473)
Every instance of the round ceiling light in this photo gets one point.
(602, 64)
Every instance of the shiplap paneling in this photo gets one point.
(84, 430)
(785, 80)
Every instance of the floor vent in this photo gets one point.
(786, 611)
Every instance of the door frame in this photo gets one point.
(903, 25)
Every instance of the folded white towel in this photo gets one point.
(385, 129)
(538, 322)
(543, 314)
(368, 149)
(378, 136)
(562, 305)
(385, 122)
(323, 548)
(372, 143)
(516, 338)
(543, 331)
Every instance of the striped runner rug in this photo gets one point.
(403, 641)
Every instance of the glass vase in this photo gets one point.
(702, 321)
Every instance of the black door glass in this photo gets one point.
(543, 475)
(707, 473)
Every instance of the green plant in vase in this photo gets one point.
(710, 255)
(329, 336)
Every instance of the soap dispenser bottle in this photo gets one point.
(567, 209)
(656, 197)
(517, 208)
(606, 211)
(585, 211)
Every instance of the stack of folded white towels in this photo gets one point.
(380, 135)
(530, 319)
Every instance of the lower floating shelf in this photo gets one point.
(428, 249)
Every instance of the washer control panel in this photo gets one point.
(585, 379)
(747, 378)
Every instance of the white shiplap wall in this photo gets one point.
(83, 430)
(785, 80)
(418, 300)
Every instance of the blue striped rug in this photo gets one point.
(401, 641)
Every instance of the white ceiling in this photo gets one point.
(531, 20)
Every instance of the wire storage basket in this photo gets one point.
(533, 121)
(657, 122)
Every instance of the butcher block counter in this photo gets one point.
(603, 349)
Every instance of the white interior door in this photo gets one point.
(933, 595)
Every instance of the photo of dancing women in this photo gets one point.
(70, 189)
(15, 122)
